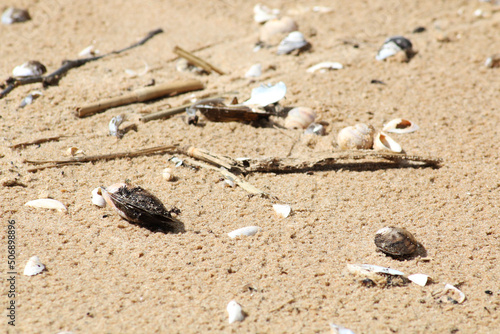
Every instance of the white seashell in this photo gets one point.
(315, 129)
(267, 94)
(382, 141)
(235, 312)
(244, 231)
(114, 125)
(299, 118)
(420, 279)
(28, 69)
(493, 61)
(324, 66)
(400, 125)
(15, 15)
(168, 174)
(282, 210)
(97, 198)
(262, 13)
(359, 136)
(47, 203)
(392, 46)
(30, 98)
(133, 73)
(371, 268)
(450, 289)
(89, 51)
(337, 329)
(294, 41)
(74, 151)
(277, 27)
(254, 71)
(34, 266)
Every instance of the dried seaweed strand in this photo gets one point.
(53, 78)
(36, 142)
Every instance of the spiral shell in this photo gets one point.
(383, 142)
(395, 241)
(359, 136)
(299, 118)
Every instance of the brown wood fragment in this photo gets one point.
(196, 60)
(36, 142)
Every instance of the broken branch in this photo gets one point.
(196, 60)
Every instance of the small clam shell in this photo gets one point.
(400, 125)
(359, 136)
(299, 118)
(262, 13)
(34, 266)
(114, 125)
(382, 141)
(235, 312)
(420, 279)
(393, 45)
(254, 71)
(395, 241)
(15, 15)
(97, 198)
(47, 203)
(244, 231)
(267, 94)
(28, 69)
(294, 41)
(325, 66)
(168, 174)
(277, 27)
(282, 210)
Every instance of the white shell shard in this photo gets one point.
(262, 13)
(30, 98)
(420, 279)
(383, 142)
(97, 198)
(359, 136)
(493, 61)
(244, 231)
(299, 118)
(337, 329)
(325, 66)
(282, 210)
(132, 73)
(267, 94)
(47, 203)
(28, 69)
(450, 288)
(273, 29)
(34, 266)
(114, 125)
(371, 268)
(400, 125)
(315, 129)
(89, 51)
(254, 71)
(235, 312)
(294, 41)
(15, 15)
(74, 151)
(322, 9)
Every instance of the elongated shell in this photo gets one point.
(400, 125)
(382, 142)
(299, 118)
(359, 136)
(244, 231)
(47, 203)
(395, 241)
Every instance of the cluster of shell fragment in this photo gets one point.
(395, 241)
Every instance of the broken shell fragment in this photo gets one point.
(73, 151)
(359, 136)
(294, 41)
(394, 45)
(379, 275)
(140, 207)
(338, 329)
(325, 66)
(30, 98)
(400, 125)
(47, 203)
(114, 125)
(451, 294)
(244, 231)
(183, 65)
(262, 13)
(272, 30)
(235, 312)
(267, 94)
(29, 69)
(282, 210)
(493, 61)
(15, 15)
(34, 266)
(315, 129)
(299, 118)
(420, 279)
(395, 241)
(254, 71)
(382, 142)
(97, 198)
(89, 51)
(168, 174)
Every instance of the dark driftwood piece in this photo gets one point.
(53, 78)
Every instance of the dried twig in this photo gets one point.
(36, 142)
(53, 78)
(140, 95)
(244, 184)
(196, 60)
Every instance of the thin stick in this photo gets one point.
(196, 60)
(218, 160)
(165, 113)
(53, 78)
(140, 95)
(36, 142)
(111, 156)
(244, 184)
